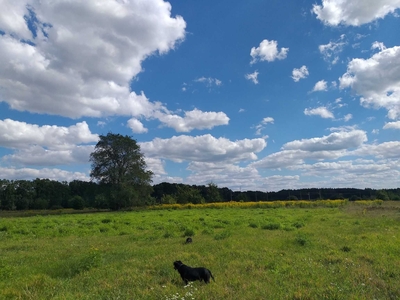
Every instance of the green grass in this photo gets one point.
(349, 252)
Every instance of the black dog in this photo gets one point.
(191, 274)
(188, 240)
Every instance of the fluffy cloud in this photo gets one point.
(280, 182)
(136, 126)
(301, 73)
(333, 142)
(294, 154)
(52, 174)
(268, 50)
(384, 150)
(267, 120)
(156, 165)
(355, 12)
(224, 174)
(40, 156)
(376, 80)
(204, 148)
(322, 111)
(291, 158)
(195, 119)
(392, 125)
(59, 69)
(15, 134)
(252, 77)
(321, 85)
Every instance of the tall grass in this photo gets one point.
(343, 252)
(259, 204)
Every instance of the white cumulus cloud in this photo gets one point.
(268, 51)
(16, 134)
(392, 125)
(300, 73)
(321, 111)
(81, 54)
(335, 141)
(320, 86)
(376, 80)
(136, 126)
(354, 12)
(194, 119)
(204, 148)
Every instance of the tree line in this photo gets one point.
(51, 194)
(120, 179)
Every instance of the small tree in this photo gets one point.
(118, 162)
(382, 195)
(76, 202)
(168, 199)
(188, 194)
(213, 194)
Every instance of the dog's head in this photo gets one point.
(177, 264)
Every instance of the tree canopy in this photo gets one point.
(118, 162)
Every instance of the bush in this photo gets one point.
(253, 225)
(21, 204)
(222, 235)
(76, 202)
(298, 225)
(188, 232)
(346, 249)
(40, 203)
(302, 240)
(168, 199)
(271, 226)
(100, 201)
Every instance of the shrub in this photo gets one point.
(253, 225)
(168, 234)
(188, 232)
(76, 202)
(298, 224)
(302, 240)
(346, 249)
(222, 235)
(271, 226)
(168, 199)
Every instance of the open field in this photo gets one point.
(346, 252)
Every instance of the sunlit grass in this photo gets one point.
(345, 252)
(259, 204)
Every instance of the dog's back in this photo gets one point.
(205, 274)
(191, 274)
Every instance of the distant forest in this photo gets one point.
(50, 194)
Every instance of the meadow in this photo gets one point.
(341, 250)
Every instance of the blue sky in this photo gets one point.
(260, 95)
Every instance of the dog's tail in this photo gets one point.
(211, 275)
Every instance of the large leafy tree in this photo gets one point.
(118, 162)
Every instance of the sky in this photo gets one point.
(249, 95)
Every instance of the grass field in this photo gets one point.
(346, 252)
